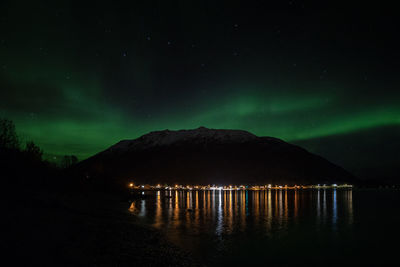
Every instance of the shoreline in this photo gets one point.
(86, 230)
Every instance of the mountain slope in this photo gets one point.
(370, 154)
(209, 156)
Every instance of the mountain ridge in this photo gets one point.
(168, 137)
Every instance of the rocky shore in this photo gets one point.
(84, 230)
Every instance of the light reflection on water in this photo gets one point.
(231, 227)
(227, 212)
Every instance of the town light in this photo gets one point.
(235, 187)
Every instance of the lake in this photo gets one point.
(277, 227)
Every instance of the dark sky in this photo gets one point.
(78, 77)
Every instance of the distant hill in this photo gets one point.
(210, 156)
(370, 154)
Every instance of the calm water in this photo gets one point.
(278, 227)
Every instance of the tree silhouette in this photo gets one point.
(33, 151)
(68, 161)
(8, 135)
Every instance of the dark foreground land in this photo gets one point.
(53, 218)
(83, 229)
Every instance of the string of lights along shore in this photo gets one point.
(237, 187)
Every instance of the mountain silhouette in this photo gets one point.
(210, 156)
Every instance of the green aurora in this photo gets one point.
(76, 80)
(76, 118)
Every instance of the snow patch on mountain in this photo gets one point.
(167, 137)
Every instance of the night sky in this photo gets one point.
(76, 79)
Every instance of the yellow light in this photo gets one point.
(131, 185)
